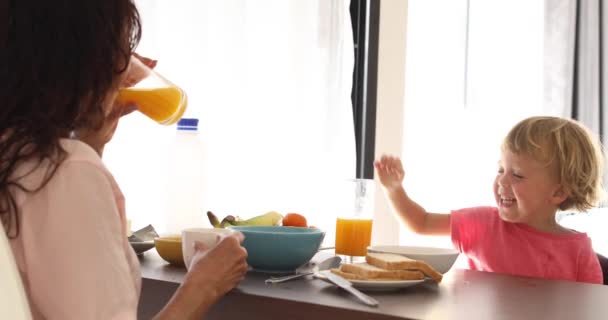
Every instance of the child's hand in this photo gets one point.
(390, 172)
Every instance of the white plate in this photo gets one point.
(374, 285)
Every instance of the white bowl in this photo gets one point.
(441, 259)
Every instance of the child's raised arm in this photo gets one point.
(390, 173)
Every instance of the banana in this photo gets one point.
(229, 220)
(271, 218)
(213, 220)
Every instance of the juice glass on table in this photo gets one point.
(156, 97)
(354, 228)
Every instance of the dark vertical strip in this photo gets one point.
(601, 63)
(358, 19)
(577, 27)
(371, 85)
(365, 19)
(357, 70)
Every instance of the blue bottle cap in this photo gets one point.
(187, 124)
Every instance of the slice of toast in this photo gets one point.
(347, 275)
(391, 261)
(353, 276)
(370, 272)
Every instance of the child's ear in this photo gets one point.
(560, 195)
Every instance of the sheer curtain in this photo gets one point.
(270, 81)
(473, 69)
(575, 77)
(575, 83)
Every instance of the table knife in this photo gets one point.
(346, 285)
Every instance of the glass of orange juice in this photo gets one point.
(354, 225)
(155, 96)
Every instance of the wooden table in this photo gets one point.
(463, 294)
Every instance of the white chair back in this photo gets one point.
(13, 301)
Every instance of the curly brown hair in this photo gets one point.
(60, 60)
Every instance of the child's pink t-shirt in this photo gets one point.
(72, 250)
(494, 245)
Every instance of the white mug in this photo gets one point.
(208, 236)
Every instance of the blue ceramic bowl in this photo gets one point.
(279, 249)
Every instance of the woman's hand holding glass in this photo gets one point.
(97, 138)
(136, 72)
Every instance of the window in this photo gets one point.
(473, 69)
(270, 81)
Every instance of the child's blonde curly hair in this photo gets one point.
(570, 148)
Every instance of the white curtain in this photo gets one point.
(574, 55)
(560, 30)
(575, 83)
(473, 69)
(270, 81)
(490, 64)
(576, 86)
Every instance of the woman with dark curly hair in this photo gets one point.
(63, 64)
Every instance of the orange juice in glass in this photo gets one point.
(354, 229)
(155, 96)
(353, 236)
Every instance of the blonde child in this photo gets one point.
(547, 164)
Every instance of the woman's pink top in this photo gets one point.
(72, 250)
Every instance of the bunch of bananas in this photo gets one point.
(271, 218)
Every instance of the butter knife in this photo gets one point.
(346, 285)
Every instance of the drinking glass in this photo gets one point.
(155, 96)
(354, 224)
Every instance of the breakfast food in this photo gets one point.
(385, 266)
(295, 220)
(346, 275)
(270, 218)
(353, 236)
(369, 271)
(391, 261)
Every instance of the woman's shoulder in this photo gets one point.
(79, 160)
(78, 151)
(83, 162)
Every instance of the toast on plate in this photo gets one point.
(354, 276)
(370, 272)
(389, 261)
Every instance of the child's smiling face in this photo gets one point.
(526, 190)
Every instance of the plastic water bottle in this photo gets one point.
(186, 179)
